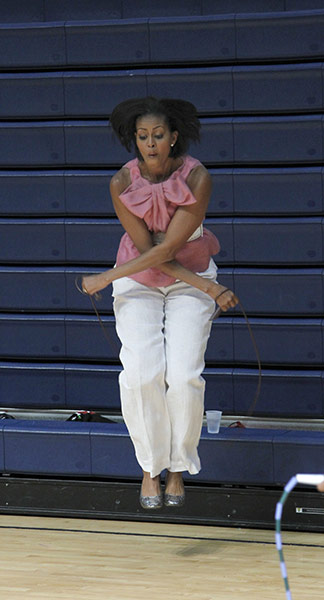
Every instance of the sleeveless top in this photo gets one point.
(156, 204)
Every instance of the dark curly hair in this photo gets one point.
(179, 115)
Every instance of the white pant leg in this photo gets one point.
(187, 329)
(139, 313)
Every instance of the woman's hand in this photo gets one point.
(224, 297)
(320, 487)
(91, 284)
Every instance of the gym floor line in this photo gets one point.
(157, 535)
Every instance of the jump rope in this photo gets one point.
(306, 479)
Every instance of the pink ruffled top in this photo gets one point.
(156, 203)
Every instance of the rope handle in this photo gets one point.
(97, 296)
(80, 288)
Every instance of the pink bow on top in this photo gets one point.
(156, 203)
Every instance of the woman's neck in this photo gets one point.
(158, 173)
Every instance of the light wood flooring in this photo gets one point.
(56, 558)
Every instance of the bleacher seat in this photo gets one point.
(97, 93)
(246, 456)
(32, 95)
(246, 140)
(32, 386)
(250, 191)
(32, 193)
(209, 88)
(32, 336)
(280, 341)
(192, 39)
(107, 42)
(32, 144)
(277, 35)
(18, 11)
(45, 447)
(237, 6)
(85, 339)
(209, 38)
(79, 241)
(30, 240)
(33, 289)
(59, 10)
(297, 452)
(277, 139)
(302, 5)
(280, 291)
(56, 192)
(266, 89)
(92, 387)
(92, 143)
(272, 88)
(284, 393)
(32, 44)
(235, 454)
(278, 191)
(88, 10)
(278, 241)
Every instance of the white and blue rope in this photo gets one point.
(306, 479)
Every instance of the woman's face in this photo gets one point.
(154, 139)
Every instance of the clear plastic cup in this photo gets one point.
(213, 420)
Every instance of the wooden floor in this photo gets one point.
(50, 558)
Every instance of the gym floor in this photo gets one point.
(59, 558)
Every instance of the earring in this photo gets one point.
(172, 145)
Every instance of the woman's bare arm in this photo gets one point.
(181, 227)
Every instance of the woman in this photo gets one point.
(164, 289)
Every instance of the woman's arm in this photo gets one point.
(182, 225)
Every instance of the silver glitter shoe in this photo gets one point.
(174, 499)
(151, 502)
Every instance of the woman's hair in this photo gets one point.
(179, 115)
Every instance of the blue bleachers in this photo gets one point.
(82, 10)
(278, 191)
(276, 292)
(32, 44)
(284, 393)
(214, 90)
(294, 35)
(32, 144)
(259, 140)
(255, 71)
(272, 88)
(280, 341)
(248, 191)
(254, 241)
(199, 39)
(298, 452)
(18, 11)
(108, 43)
(59, 10)
(95, 449)
(237, 6)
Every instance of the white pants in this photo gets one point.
(164, 333)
